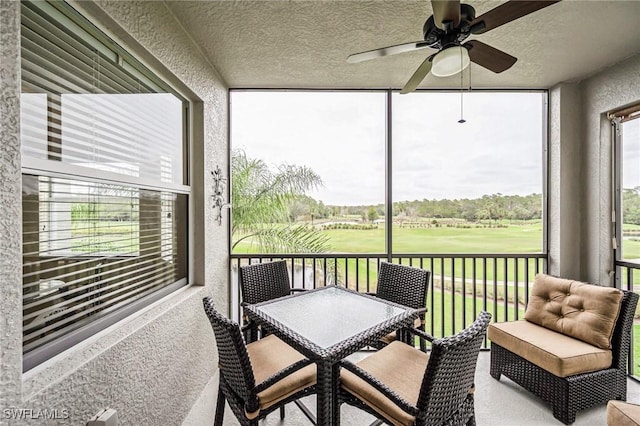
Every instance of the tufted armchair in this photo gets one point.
(571, 348)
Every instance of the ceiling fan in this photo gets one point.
(445, 30)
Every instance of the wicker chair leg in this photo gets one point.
(567, 417)
(254, 333)
(566, 403)
(219, 408)
(494, 369)
(282, 413)
(472, 421)
(423, 343)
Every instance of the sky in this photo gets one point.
(631, 153)
(341, 136)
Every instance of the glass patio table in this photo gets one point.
(326, 325)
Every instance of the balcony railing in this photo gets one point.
(461, 285)
(628, 278)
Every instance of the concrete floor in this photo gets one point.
(498, 403)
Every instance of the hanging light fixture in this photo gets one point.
(450, 61)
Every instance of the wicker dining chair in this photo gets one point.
(402, 385)
(257, 378)
(261, 282)
(407, 286)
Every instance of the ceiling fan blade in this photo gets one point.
(444, 10)
(418, 76)
(386, 51)
(489, 57)
(506, 12)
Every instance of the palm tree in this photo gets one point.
(260, 199)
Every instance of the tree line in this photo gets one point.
(493, 207)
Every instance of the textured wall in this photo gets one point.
(580, 191)
(10, 214)
(151, 376)
(614, 87)
(565, 161)
(153, 366)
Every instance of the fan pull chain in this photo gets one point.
(462, 120)
(469, 78)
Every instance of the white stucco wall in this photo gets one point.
(153, 366)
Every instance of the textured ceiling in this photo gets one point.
(304, 44)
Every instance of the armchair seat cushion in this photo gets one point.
(621, 413)
(398, 365)
(554, 352)
(270, 355)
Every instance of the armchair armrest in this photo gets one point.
(246, 327)
(421, 334)
(422, 311)
(381, 387)
(269, 381)
(422, 315)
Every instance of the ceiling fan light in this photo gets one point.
(450, 61)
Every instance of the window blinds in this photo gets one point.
(105, 210)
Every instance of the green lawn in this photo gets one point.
(439, 302)
(105, 236)
(512, 239)
(524, 237)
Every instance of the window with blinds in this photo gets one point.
(105, 189)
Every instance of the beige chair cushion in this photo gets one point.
(584, 311)
(621, 413)
(558, 354)
(401, 368)
(270, 355)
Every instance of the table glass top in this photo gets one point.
(331, 315)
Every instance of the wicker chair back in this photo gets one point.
(235, 365)
(264, 281)
(403, 284)
(450, 373)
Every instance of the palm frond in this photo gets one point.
(292, 239)
(260, 199)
